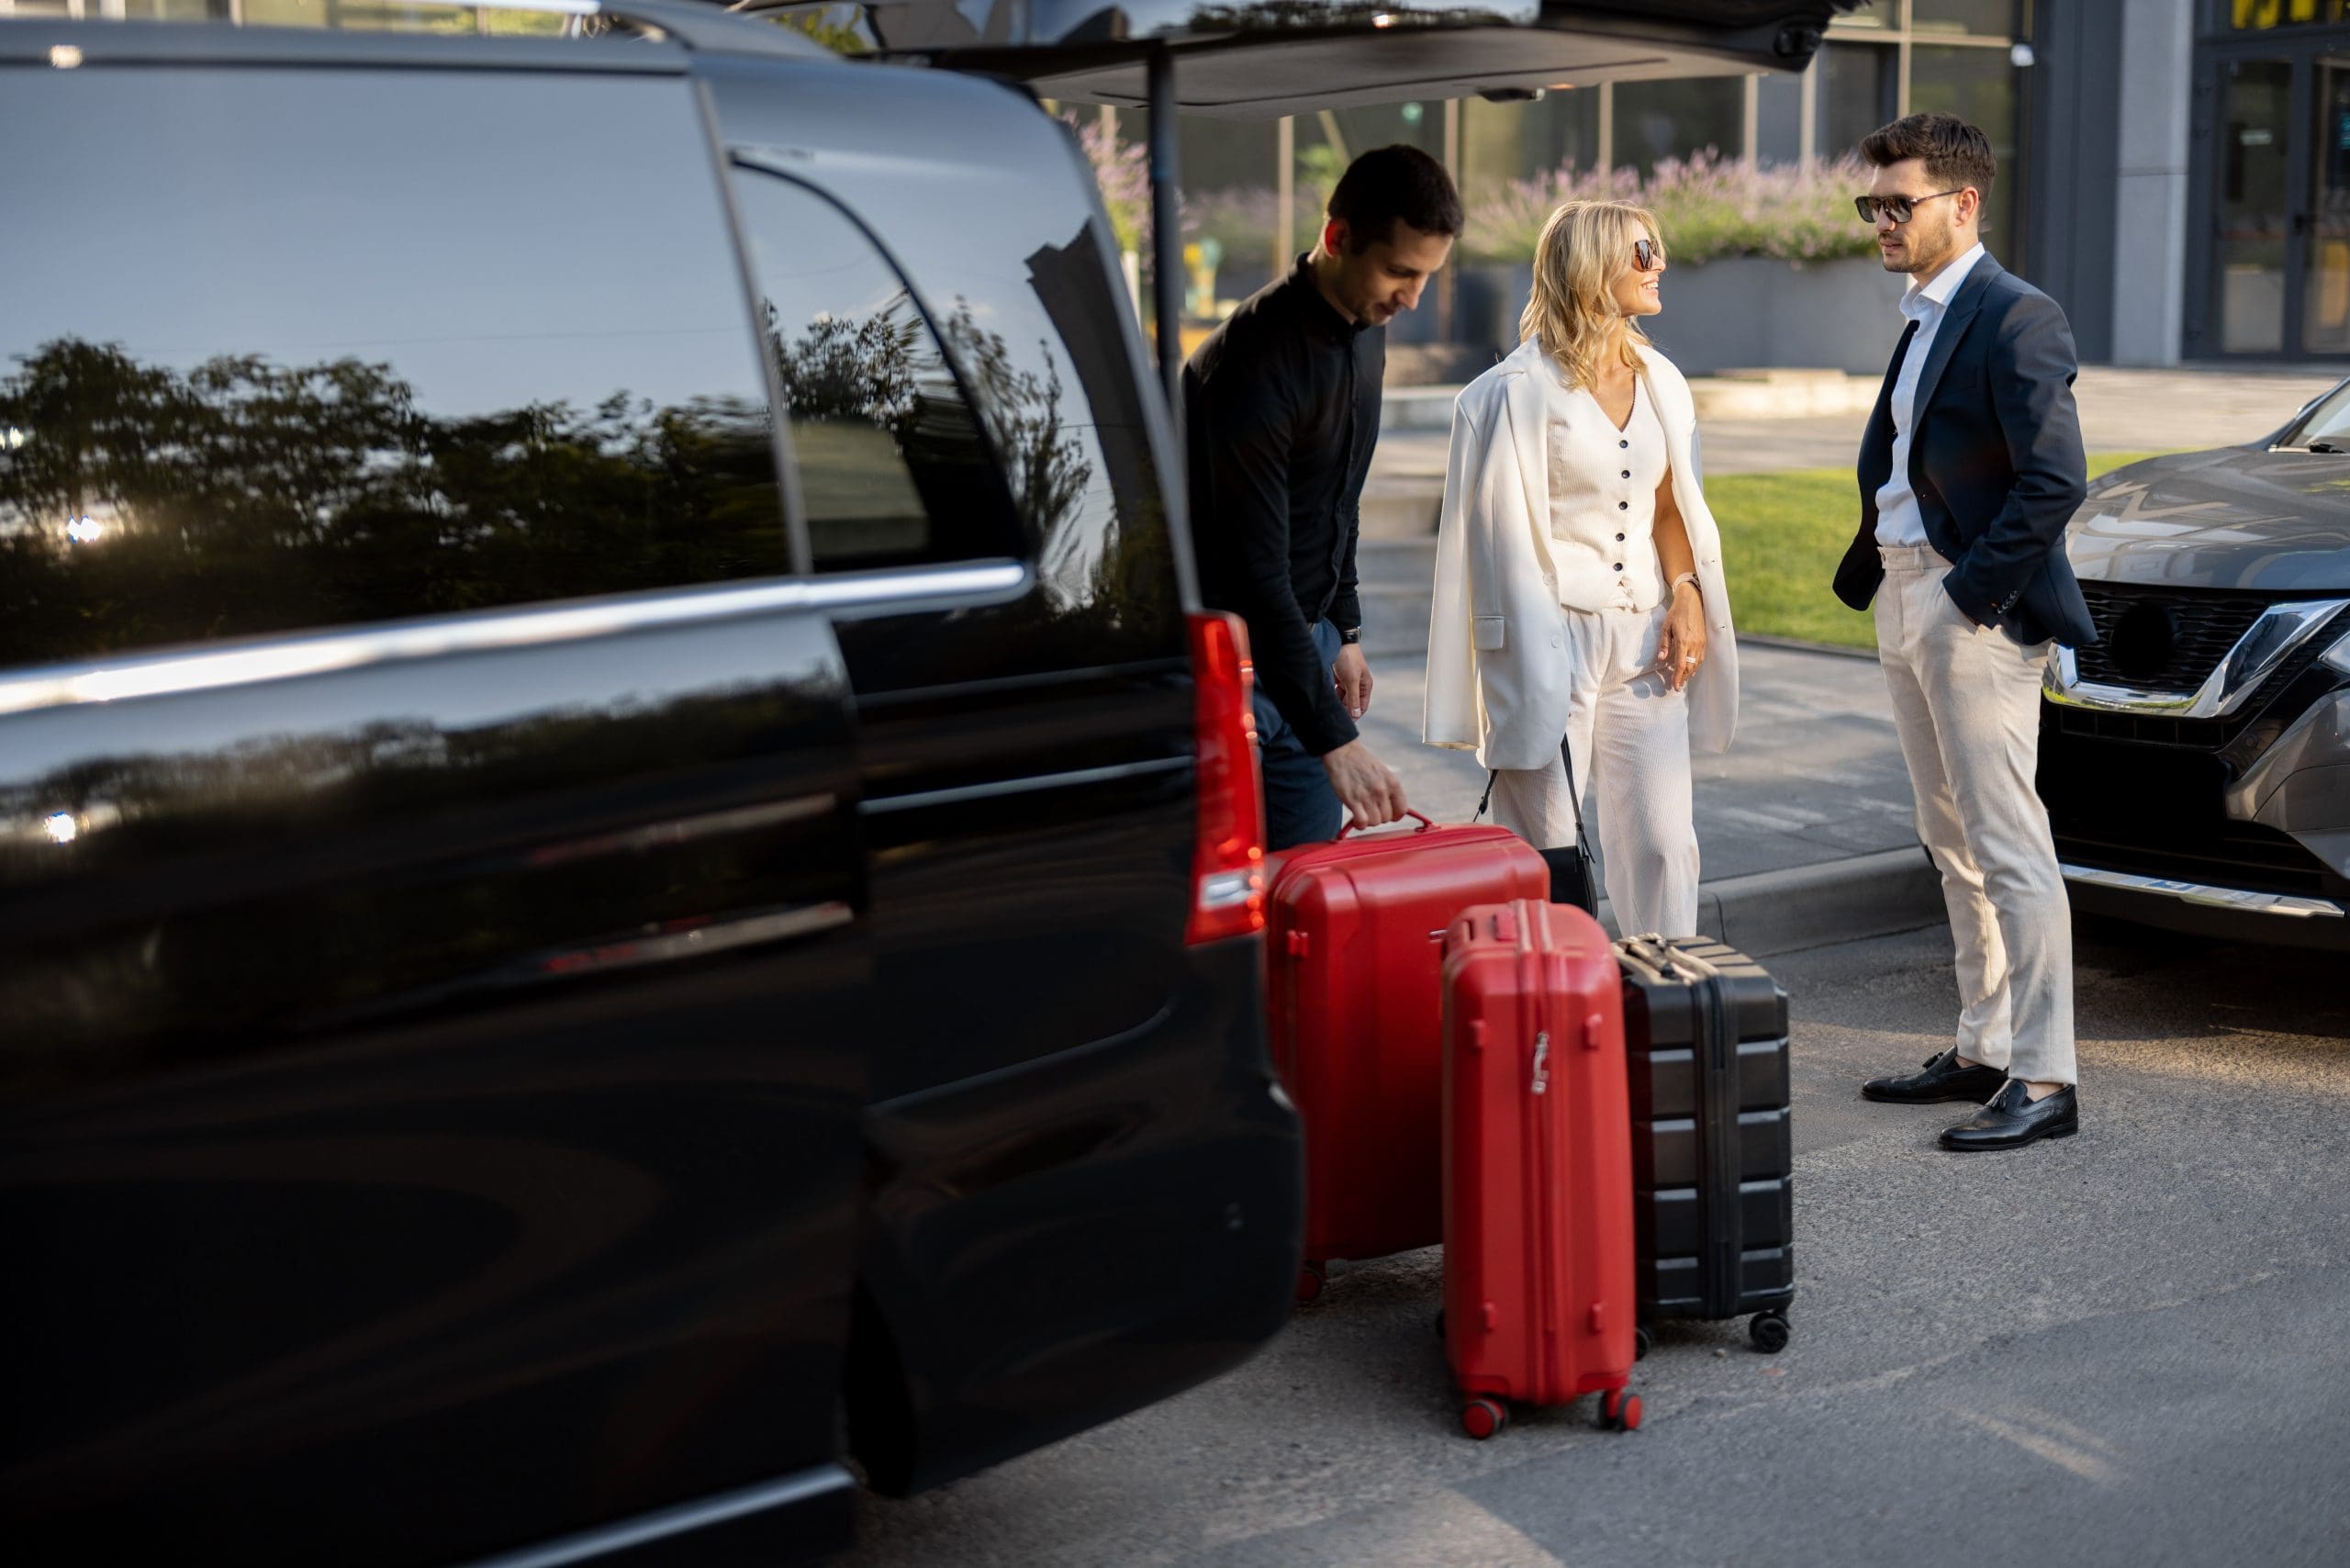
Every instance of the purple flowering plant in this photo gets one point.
(1708, 205)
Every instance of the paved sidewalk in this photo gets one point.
(1813, 783)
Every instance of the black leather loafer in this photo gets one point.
(1943, 1079)
(2014, 1118)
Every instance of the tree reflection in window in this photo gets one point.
(894, 467)
(141, 504)
(914, 446)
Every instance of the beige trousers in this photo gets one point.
(1966, 704)
(1630, 732)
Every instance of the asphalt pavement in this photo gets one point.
(2132, 1347)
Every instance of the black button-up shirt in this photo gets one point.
(1281, 410)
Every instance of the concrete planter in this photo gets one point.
(1738, 312)
(1486, 299)
(1745, 311)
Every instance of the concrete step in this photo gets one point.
(1401, 506)
(1782, 394)
(1416, 408)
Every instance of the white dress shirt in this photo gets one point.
(1603, 497)
(1898, 521)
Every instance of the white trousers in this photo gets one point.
(1629, 733)
(1966, 702)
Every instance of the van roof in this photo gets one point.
(1261, 59)
(650, 36)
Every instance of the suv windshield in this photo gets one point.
(2326, 424)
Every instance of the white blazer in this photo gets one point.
(1497, 678)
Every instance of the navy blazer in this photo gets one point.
(1996, 460)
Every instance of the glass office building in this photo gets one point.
(2177, 172)
(1969, 57)
(2269, 256)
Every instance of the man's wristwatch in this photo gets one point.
(1350, 634)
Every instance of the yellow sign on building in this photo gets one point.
(2254, 16)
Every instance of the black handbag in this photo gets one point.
(1570, 878)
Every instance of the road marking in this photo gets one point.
(2085, 1465)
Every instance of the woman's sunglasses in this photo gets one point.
(1646, 256)
(1898, 208)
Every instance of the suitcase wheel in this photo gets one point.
(1309, 1280)
(1769, 1331)
(1620, 1411)
(1480, 1419)
(1642, 1342)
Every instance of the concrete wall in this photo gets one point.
(1749, 312)
(2158, 54)
(2069, 191)
(1737, 313)
(2110, 104)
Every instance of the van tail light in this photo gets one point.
(1229, 858)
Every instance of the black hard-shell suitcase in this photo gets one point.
(1705, 1040)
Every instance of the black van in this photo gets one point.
(558, 930)
(629, 875)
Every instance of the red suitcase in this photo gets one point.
(1539, 1292)
(1355, 999)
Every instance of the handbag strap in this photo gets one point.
(1574, 796)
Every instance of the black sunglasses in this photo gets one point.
(1645, 256)
(1898, 208)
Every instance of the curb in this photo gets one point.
(1800, 646)
(1771, 912)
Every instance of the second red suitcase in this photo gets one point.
(1355, 999)
(1540, 1298)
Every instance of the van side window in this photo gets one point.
(894, 469)
(351, 375)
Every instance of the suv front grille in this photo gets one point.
(2163, 639)
(2159, 810)
(2248, 857)
(2109, 601)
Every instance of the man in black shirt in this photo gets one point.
(1282, 411)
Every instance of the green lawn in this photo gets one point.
(1781, 536)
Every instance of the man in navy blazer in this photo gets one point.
(1969, 472)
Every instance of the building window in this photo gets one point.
(1905, 57)
(1999, 20)
(1657, 120)
(1500, 143)
(1979, 87)
(1860, 90)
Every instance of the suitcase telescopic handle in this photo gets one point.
(1426, 823)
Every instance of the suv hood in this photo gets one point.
(1261, 59)
(2236, 518)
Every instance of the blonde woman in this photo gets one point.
(1579, 605)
